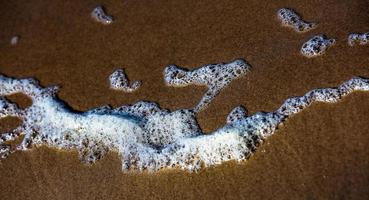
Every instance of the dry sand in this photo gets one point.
(320, 153)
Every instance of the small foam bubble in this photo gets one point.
(316, 46)
(146, 136)
(100, 16)
(214, 76)
(358, 38)
(290, 18)
(14, 41)
(119, 81)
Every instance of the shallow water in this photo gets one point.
(146, 136)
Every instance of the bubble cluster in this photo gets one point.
(237, 113)
(146, 136)
(316, 46)
(358, 38)
(7, 108)
(290, 18)
(214, 76)
(119, 81)
(100, 16)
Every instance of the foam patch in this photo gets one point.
(316, 46)
(119, 81)
(147, 137)
(99, 15)
(358, 38)
(291, 19)
(214, 76)
(237, 113)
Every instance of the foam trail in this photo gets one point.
(214, 76)
(290, 18)
(146, 136)
(316, 46)
(119, 81)
(100, 16)
(358, 38)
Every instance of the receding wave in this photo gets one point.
(147, 137)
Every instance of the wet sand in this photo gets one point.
(318, 154)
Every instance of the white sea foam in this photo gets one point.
(119, 81)
(237, 113)
(290, 18)
(100, 16)
(316, 46)
(358, 38)
(146, 136)
(214, 76)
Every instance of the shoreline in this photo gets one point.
(286, 165)
(319, 153)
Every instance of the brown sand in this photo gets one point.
(320, 153)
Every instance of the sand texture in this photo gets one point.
(321, 153)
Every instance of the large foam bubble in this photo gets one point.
(290, 18)
(214, 76)
(146, 136)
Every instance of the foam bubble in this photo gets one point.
(100, 16)
(214, 76)
(119, 81)
(358, 38)
(146, 136)
(14, 40)
(316, 46)
(290, 18)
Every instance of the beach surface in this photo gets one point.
(320, 153)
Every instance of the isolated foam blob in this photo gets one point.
(214, 76)
(290, 18)
(14, 40)
(358, 38)
(146, 136)
(316, 46)
(119, 81)
(99, 15)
